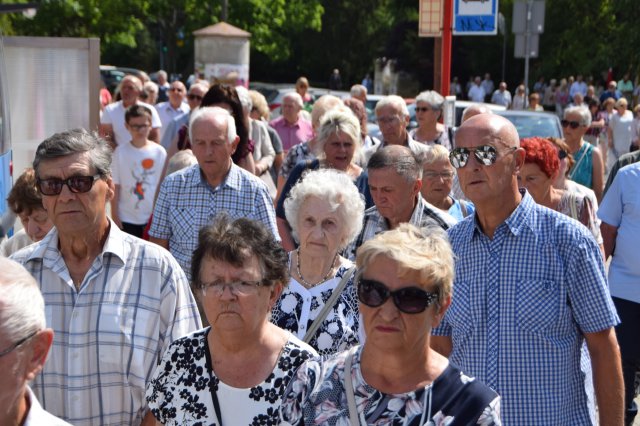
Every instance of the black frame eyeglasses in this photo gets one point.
(572, 124)
(17, 344)
(410, 300)
(485, 154)
(76, 184)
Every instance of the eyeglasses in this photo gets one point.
(410, 300)
(138, 127)
(76, 184)
(17, 344)
(485, 154)
(193, 97)
(216, 288)
(424, 109)
(435, 175)
(572, 124)
(388, 120)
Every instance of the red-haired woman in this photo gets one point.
(541, 168)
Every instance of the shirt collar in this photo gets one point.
(233, 178)
(516, 222)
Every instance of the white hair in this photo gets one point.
(21, 303)
(180, 160)
(335, 188)
(208, 113)
(245, 99)
(585, 114)
(358, 90)
(296, 97)
(434, 99)
(396, 102)
(340, 119)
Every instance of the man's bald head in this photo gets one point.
(495, 127)
(472, 110)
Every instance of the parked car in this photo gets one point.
(534, 123)
(112, 75)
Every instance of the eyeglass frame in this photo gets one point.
(194, 97)
(220, 287)
(573, 124)
(17, 344)
(66, 182)
(434, 175)
(496, 152)
(430, 297)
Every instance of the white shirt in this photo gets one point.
(168, 113)
(109, 336)
(114, 114)
(476, 93)
(37, 416)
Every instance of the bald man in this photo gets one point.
(530, 289)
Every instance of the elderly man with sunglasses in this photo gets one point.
(24, 346)
(114, 301)
(174, 107)
(194, 99)
(530, 290)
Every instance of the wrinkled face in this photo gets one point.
(570, 134)
(14, 377)
(130, 90)
(388, 328)
(392, 125)
(339, 149)
(482, 183)
(36, 224)
(320, 228)
(393, 195)
(211, 146)
(426, 114)
(437, 180)
(229, 311)
(535, 181)
(290, 110)
(72, 212)
(194, 98)
(177, 93)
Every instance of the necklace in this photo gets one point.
(304, 282)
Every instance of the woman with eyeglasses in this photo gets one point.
(404, 286)
(437, 181)
(589, 167)
(543, 163)
(429, 106)
(235, 371)
(319, 305)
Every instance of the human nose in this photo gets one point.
(66, 194)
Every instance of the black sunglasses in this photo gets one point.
(485, 154)
(572, 124)
(193, 97)
(76, 184)
(410, 300)
(424, 109)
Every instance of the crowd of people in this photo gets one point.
(195, 262)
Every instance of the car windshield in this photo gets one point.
(542, 125)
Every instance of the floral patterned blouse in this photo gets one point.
(316, 395)
(180, 390)
(298, 306)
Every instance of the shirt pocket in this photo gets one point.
(538, 306)
(184, 226)
(460, 314)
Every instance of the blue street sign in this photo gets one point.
(475, 17)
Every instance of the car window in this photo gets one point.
(535, 125)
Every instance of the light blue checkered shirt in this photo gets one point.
(186, 202)
(521, 302)
(110, 335)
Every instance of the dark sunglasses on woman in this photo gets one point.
(410, 300)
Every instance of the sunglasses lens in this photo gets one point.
(372, 293)
(486, 154)
(81, 183)
(50, 186)
(412, 300)
(458, 157)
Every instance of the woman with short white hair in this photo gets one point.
(429, 105)
(320, 306)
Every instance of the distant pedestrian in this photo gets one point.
(335, 81)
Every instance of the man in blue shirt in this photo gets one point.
(530, 289)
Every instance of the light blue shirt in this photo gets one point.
(621, 208)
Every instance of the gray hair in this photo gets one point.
(396, 102)
(321, 106)
(335, 188)
(435, 153)
(150, 86)
(76, 141)
(207, 113)
(245, 99)
(358, 90)
(181, 160)
(434, 99)
(341, 120)
(162, 73)
(21, 303)
(203, 84)
(400, 158)
(585, 114)
(295, 96)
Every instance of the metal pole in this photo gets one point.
(445, 73)
(527, 49)
(225, 9)
(504, 45)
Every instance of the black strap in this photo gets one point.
(214, 396)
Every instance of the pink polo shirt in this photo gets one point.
(292, 134)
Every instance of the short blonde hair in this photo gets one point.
(259, 103)
(342, 120)
(425, 252)
(435, 153)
